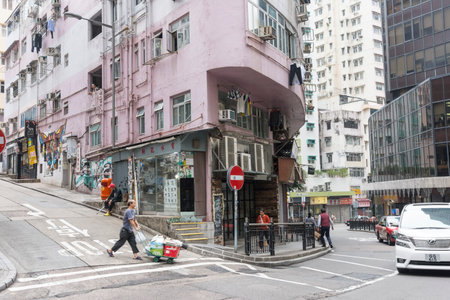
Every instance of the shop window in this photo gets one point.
(140, 115)
(181, 109)
(159, 113)
(442, 160)
(95, 134)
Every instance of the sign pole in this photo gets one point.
(235, 220)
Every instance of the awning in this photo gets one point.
(159, 106)
(95, 127)
(151, 143)
(140, 112)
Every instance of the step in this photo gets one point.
(188, 234)
(189, 223)
(196, 239)
(182, 229)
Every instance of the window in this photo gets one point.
(377, 44)
(181, 109)
(260, 123)
(2, 87)
(376, 16)
(95, 29)
(378, 72)
(57, 102)
(379, 86)
(157, 44)
(380, 100)
(427, 25)
(66, 107)
(66, 60)
(356, 172)
(159, 113)
(116, 73)
(136, 56)
(15, 88)
(43, 66)
(3, 30)
(57, 56)
(359, 76)
(350, 124)
(96, 135)
(352, 140)
(180, 34)
(43, 110)
(24, 45)
(378, 58)
(143, 51)
(140, 115)
(353, 156)
(328, 141)
(23, 82)
(376, 29)
(330, 157)
(311, 159)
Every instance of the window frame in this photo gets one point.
(185, 116)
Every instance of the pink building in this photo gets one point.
(200, 86)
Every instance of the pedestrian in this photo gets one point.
(126, 233)
(310, 219)
(324, 224)
(264, 230)
(333, 217)
(115, 196)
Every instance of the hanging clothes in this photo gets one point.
(36, 42)
(233, 94)
(246, 104)
(240, 105)
(51, 26)
(295, 71)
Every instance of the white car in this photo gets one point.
(423, 238)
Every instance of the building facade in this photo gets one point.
(194, 95)
(349, 84)
(409, 137)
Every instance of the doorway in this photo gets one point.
(187, 195)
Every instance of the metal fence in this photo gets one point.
(362, 225)
(261, 238)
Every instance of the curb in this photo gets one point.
(11, 272)
(289, 259)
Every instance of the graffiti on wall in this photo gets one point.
(92, 172)
(51, 147)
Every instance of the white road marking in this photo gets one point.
(35, 212)
(96, 270)
(335, 274)
(83, 232)
(354, 287)
(106, 246)
(356, 264)
(82, 245)
(265, 276)
(362, 257)
(64, 252)
(363, 239)
(95, 277)
(71, 249)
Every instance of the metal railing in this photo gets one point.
(262, 238)
(362, 225)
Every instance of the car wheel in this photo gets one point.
(388, 238)
(378, 237)
(402, 270)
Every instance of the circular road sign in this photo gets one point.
(2, 141)
(235, 178)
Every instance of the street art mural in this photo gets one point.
(92, 172)
(51, 147)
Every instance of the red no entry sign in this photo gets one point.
(235, 178)
(2, 141)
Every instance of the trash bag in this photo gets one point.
(140, 237)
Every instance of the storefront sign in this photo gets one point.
(78, 159)
(390, 197)
(346, 201)
(318, 200)
(32, 160)
(170, 195)
(30, 129)
(363, 202)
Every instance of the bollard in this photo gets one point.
(246, 237)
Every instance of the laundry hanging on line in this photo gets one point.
(36, 42)
(51, 26)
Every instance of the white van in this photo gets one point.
(423, 239)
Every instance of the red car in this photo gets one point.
(387, 228)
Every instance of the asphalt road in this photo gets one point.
(58, 249)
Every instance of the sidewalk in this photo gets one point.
(288, 254)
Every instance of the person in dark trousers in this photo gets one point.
(324, 224)
(264, 230)
(126, 233)
(310, 219)
(115, 196)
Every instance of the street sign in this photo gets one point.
(235, 178)
(2, 141)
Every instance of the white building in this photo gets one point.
(348, 73)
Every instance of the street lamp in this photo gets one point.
(343, 99)
(113, 100)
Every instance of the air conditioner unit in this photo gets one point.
(257, 153)
(42, 101)
(267, 33)
(245, 161)
(22, 75)
(30, 69)
(42, 59)
(56, 2)
(302, 13)
(52, 51)
(227, 115)
(228, 152)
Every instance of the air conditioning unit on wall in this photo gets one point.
(227, 115)
(227, 152)
(257, 153)
(245, 161)
(267, 33)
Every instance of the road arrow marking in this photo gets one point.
(83, 232)
(35, 212)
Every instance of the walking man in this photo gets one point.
(264, 230)
(324, 224)
(126, 233)
(115, 196)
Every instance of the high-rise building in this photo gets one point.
(410, 136)
(348, 75)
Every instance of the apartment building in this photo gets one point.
(348, 75)
(194, 95)
(410, 136)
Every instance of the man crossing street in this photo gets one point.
(324, 224)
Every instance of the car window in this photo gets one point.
(426, 217)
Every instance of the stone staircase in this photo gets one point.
(191, 232)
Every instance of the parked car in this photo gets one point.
(423, 238)
(386, 229)
(357, 218)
